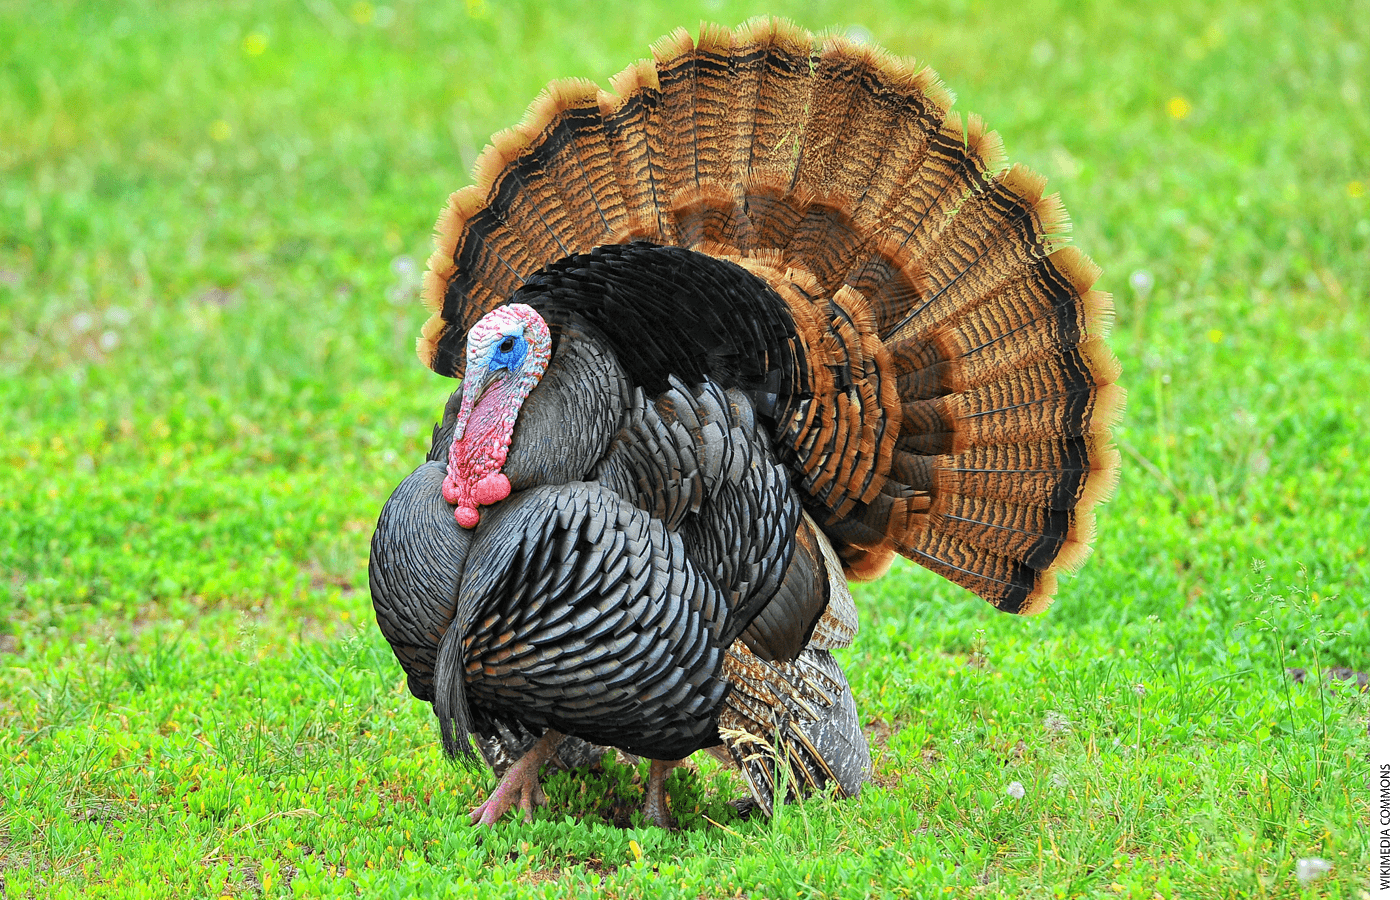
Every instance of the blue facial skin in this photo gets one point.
(508, 353)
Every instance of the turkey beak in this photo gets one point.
(482, 387)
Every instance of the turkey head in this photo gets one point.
(507, 353)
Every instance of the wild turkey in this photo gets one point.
(748, 325)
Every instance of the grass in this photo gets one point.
(211, 223)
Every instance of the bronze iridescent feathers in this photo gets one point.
(958, 390)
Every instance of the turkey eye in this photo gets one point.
(507, 345)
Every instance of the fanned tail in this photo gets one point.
(958, 393)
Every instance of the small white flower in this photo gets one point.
(108, 342)
(1056, 723)
(1017, 791)
(1058, 779)
(1141, 280)
(1311, 868)
(81, 323)
(404, 266)
(1140, 689)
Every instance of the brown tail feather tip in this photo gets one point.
(1102, 363)
(984, 143)
(558, 97)
(638, 76)
(1108, 407)
(1103, 477)
(714, 38)
(1024, 182)
(1098, 487)
(1074, 553)
(677, 43)
(909, 77)
(1053, 223)
(1043, 595)
(1075, 265)
(1099, 316)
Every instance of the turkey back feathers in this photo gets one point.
(807, 220)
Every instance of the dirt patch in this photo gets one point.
(879, 732)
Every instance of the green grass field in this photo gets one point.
(212, 223)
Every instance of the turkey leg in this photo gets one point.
(520, 786)
(654, 807)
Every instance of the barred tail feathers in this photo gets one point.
(961, 392)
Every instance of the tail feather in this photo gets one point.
(902, 108)
(831, 162)
(748, 61)
(784, 95)
(1055, 473)
(522, 159)
(674, 126)
(956, 395)
(715, 117)
(1004, 332)
(627, 116)
(1012, 585)
(955, 166)
(586, 157)
(708, 210)
(996, 232)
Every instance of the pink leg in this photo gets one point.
(654, 807)
(520, 785)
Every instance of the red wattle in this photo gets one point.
(467, 516)
(492, 488)
(474, 475)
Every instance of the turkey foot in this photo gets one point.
(520, 786)
(655, 807)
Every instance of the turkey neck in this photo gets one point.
(568, 421)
